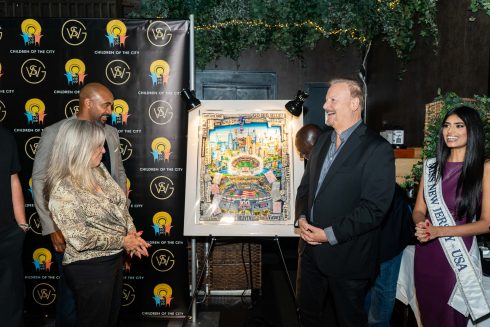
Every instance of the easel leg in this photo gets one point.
(291, 288)
(197, 286)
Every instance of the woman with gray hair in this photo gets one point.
(90, 209)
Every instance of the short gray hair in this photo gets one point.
(71, 154)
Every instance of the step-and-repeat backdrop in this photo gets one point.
(145, 63)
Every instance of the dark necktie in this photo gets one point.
(106, 158)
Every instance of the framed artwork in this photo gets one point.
(242, 169)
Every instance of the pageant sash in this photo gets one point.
(468, 296)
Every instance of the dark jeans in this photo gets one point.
(12, 289)
(314, 289)
(97, 284)
(381, 297)
(66, 313)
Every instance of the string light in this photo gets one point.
(258, 23)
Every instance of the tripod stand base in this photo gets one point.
(204, 319)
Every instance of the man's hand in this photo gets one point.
(58, 241)
(311, 234)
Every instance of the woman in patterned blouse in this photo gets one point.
(90, 209)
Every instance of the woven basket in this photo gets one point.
(229, 266)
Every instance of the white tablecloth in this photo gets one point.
(405, 290)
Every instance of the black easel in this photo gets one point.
(206, 261)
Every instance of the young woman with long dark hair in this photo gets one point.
(453, 205)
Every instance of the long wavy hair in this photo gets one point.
(71, 154)
(469, 185)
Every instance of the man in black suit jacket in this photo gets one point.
(344, 194)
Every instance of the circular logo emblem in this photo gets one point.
(3, 111)
(161, 187)
(44, 294)
(33, 71)
(72, 107)
(35, 224)
(126, 148)
(128, 295)
(160, 112)
(117, 72)
(159, 33)
(73, 32)
(162, 260)
(31, 146)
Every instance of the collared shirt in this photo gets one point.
(332, 153)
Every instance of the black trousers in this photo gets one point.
(12, 277)
(320, 295)
(97, 284)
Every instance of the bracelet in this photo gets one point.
(25, 227)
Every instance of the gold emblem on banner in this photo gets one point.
(116, 33)
(162, 187)
(126, 148)
(1, 70)
(1, 35)
(163, 260)
(3, 111)
(43, 294)
(72, 107)
(73, 32)
(35, 224)
(128, 295)
(33, 71)
(160, 112)
(159, 33)
(31, 146)
(162, 294)
(117, 72)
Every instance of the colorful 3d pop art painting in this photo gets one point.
(245, 170)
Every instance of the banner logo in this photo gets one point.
(30, 188)
(73, 32)
(117, 72)
(162, 294)
(160, 112)
(44, 294)
(3, 111)
(162, 223)
(161, 187)
(128, 186)
(31, 32)
(159, 34)
(31, 146)
(126, 148)
(159, 72)
(35, 111)
(160, 149)
(163, 260)
(42, 260)
(128, 295)
(116, 33)
(35, 224)
(72, 107)
(33, 71)
(120, 112)
(75, 71)
(1, 74)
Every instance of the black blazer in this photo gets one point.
(353, 199)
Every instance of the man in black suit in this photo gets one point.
(344, 194)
